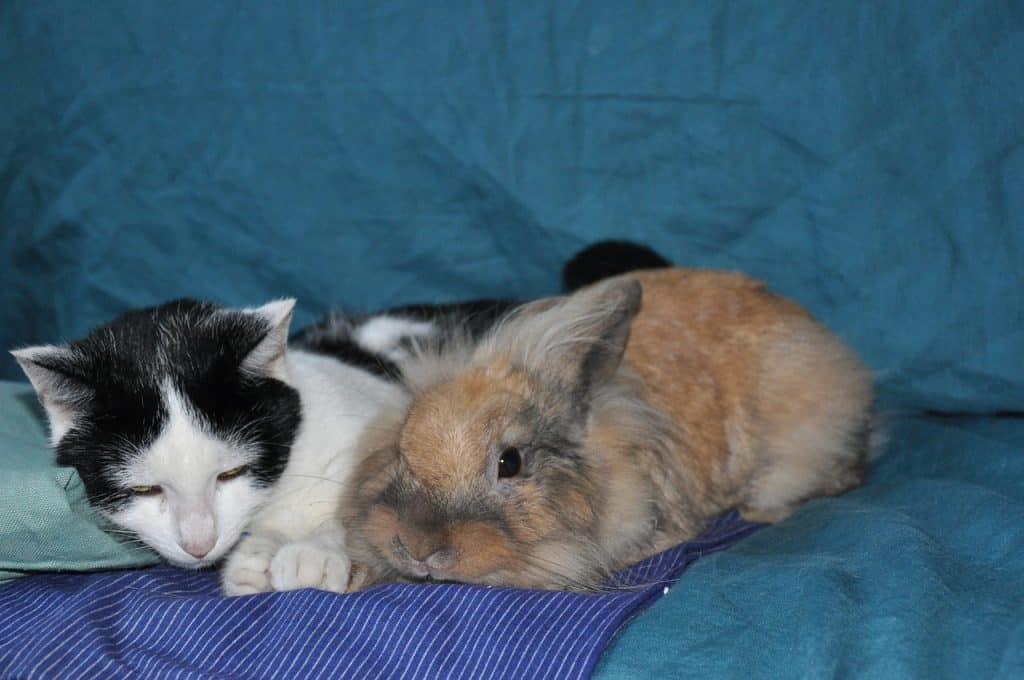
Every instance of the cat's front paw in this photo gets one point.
(310, 563)
(247, 569)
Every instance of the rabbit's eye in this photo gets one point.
(510, 462)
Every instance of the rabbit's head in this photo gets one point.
(488, 477)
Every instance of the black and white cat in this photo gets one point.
(197, 428)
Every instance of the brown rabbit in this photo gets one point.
(588, 432)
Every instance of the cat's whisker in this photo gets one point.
(604, 579)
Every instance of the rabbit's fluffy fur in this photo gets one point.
(639, 409)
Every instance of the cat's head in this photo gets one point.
(178, 419)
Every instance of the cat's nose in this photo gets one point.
(199, 549)
(197, 530)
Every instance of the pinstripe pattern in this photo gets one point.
(167, 623)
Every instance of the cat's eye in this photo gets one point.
(510, 462)
(151, 490)
(232, 473)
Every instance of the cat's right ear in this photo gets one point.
(61, 394)
(267, 358)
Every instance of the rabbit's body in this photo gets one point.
(558, 452)
(767, 407)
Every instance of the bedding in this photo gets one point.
(170, 621)
(865, 159)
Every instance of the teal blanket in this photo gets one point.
(918, 574)
(865, 158)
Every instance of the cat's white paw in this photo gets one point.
(310, 563)
(247, 569)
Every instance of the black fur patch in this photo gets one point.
(605, 259)
(334, 335)
(199, 348)
(474, 317)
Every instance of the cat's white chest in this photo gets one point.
(339, 402)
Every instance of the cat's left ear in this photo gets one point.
(267, 358)
(63, 395)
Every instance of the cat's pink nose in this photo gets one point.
(198, 550)
(197, 530)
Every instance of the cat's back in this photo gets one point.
(339, 401)
(337, 390)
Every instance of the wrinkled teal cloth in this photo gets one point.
(865, 158)
(918, 574)
(45, 520)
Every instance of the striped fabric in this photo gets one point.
(168, 623)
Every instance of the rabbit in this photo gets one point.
(588, 432)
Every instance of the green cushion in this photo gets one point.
(45, 520)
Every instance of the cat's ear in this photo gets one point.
(580, 341)
(61, 393)
(268, 357)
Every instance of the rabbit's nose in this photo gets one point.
(423, 558)
(440, 559)
(414, 547)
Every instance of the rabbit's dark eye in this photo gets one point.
(510, 462)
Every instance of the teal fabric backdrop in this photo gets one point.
(865, 158)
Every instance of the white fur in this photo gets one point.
(195, 512)
(295, 540)
(383, 335)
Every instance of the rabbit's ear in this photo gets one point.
(580, 341)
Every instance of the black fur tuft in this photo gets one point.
(605, 259)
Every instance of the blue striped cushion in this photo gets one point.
(171, 623)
